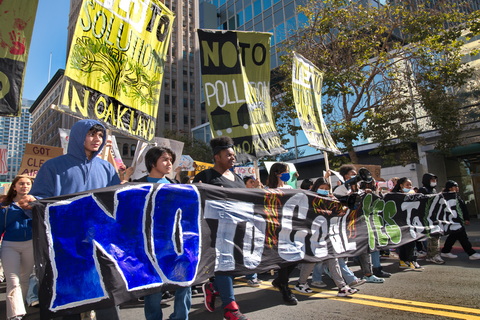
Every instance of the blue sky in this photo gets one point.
(49, 35)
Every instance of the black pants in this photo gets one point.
(460, 235)
(406, 252)
(284, 274)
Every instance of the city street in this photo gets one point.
(447, 291)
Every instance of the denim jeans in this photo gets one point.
(317, 272)
(346, 272)
(181, 305)
(32, 294)
(376, 259)
(224, 285)
(251, 276)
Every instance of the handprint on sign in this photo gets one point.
(18, 43)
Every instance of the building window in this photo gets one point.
(132, 150)
(125, 149)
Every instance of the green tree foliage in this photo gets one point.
(390, 71)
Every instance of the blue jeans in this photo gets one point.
(32, 293)
(346, 272)
(376, 259)
(181, 305)
(251, 276)
(317, 272)
(224, 285)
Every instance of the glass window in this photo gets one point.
(302, 20)
(277, 6)
(290, 10)
(267, 4)
(248, 13)
(125, 149)
(132, 150)
(280, 33)
(278, 17)
(240, 20)
(257, 7)
(291, 26)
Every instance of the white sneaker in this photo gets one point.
(303, 287)
(448, 255)
(346, 291)
(475, 256)
(436, 259)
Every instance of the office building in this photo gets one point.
(15, 133)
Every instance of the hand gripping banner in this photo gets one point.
(236, 81)
(16, 26)
(115, 67)
(108, 246)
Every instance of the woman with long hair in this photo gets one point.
(279, 176)
(17, 247)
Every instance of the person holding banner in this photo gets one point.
(221, 175)
(159, 162)
(277, 178)
(322, 187)
(17, 247)
(78, 170)
(406, 252)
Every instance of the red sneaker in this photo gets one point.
(232, 312)
(209, 294)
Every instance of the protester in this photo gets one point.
(222, 176)
(332, 264)
(78, 170)
(17, 246)
(159, 162)
(461, 234)
(348, 171)
(277, 179)
(406, 252)
(429, 182)
(306, 184)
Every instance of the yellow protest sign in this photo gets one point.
(236, 79)
(16, 26)
(307, 94)
(35, 155)
(115, 67)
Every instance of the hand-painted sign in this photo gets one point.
(16, 26)
(236, 79)
(307, 93)
(108, 246)
(115, 68)
(35, 155)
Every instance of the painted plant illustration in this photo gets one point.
(117, 71)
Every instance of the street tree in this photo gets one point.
(390, 71)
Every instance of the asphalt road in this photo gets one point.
(449, 291)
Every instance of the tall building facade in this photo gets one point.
(15, 133)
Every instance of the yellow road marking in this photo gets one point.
(390, 303)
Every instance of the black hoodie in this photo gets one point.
(427, 189)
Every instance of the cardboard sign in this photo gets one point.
(35, 155)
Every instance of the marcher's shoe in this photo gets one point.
(167, 296)
(346, 291)
(254, 282)
(404, 264)
(373, 279)
(380, 273)
(287, 294)
(34, 304)
(415, 266)
(209, 296)
(448, 255)
(436, 259)
(421, 254)
(303, 287)
(232, 312)
(357, 282)
(318, 284)
(475, 256)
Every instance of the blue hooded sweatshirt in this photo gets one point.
(73, 172)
